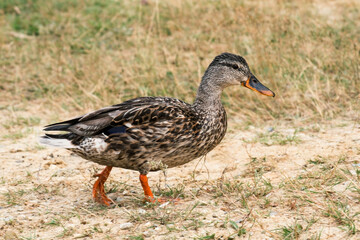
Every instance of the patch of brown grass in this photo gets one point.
(61, 59)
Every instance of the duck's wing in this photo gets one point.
(117, 118)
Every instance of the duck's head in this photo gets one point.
(229, 69)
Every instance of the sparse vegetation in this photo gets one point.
(75, 56)
(341, 213)
(291, 232)
(276, 138)
(299, 179)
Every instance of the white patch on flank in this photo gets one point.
(63, 143)
(93, 144)
(99, 144)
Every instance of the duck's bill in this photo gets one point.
(257, 86)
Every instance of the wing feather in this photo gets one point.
(135, 112)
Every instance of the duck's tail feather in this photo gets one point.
(57, 140)
(61, 126)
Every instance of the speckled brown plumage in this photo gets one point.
(156, 132)
(150, 133)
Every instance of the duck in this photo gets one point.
(148, 134)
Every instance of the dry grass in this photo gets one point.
(297, 180)
(68, 57)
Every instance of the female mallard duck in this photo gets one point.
(149, 133)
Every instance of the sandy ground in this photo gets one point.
(243, 189)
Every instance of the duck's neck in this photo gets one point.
(208, 96)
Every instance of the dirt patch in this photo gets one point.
(282, 183)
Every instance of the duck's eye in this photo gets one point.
(235, 66)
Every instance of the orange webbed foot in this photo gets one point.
(98, 188)
(149, 196)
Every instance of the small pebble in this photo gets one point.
(270, 129)
(8, 219)
(272, 213)
(170, 225)
(204, 211)
(126, 225)
(157, 229)
(53, 167)
(22, 217)
(141, 211)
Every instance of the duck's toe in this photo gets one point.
(162, 200)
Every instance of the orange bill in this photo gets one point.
(257, 86)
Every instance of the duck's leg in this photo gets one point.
(98, 189)
(149, 196)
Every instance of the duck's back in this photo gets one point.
(142, 134)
